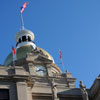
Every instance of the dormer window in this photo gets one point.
(23, 38)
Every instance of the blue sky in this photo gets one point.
(70, 25)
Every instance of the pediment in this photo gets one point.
(38, 58)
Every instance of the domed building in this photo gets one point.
(31, 74)
(25, 46)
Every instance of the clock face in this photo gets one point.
(40, 70)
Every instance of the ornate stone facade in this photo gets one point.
(24, 84)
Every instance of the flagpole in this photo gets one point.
(13, 61)
(61, 60)
(62, 65)
(21, 11)
(22, 22)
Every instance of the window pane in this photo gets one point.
(4, 94)
(19, 40)
(23, 38)
(29, 39)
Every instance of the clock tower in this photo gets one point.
(27, 52)
(35, 71)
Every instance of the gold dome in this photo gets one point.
(22, 53)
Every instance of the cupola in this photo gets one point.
(25, 37)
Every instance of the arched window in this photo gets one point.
(19, 40)
(23, 38)
(29, 39)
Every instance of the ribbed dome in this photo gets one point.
(22, 53)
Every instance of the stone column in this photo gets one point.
(29, 91)
(21, 91)
(49, 70)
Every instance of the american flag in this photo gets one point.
(23, 7)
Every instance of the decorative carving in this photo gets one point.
(37, 51)
(38, 55)
(54, 90)
(84, 92)
(30, 82)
